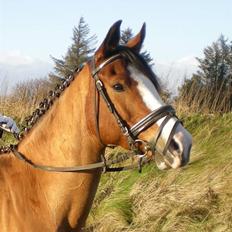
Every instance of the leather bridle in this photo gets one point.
(131, 133)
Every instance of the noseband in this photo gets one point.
(133, 132)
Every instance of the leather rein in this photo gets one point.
(130, 132)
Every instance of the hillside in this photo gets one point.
(195, 198)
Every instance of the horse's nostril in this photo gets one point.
(174, 147)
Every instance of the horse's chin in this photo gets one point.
(160, 162)
(167, 162)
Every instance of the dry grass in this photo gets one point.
(20, 102)
(23, 99)
(195, 198)
(194, 97)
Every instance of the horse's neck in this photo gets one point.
(62, 135)
(62, 138)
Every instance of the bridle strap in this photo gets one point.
(103, 64)
(102, 91)
(152, 118)
(104, 165)
(160, 129)
(132, 132)
(96, 110)
(170, 137)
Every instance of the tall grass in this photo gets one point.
(196, 97)
(20, 101)
(195, 198)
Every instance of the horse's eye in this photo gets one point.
(118, 87)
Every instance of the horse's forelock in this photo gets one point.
(137, 60)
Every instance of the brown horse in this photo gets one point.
(116, 84)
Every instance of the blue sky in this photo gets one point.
(175, 29)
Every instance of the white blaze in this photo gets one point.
(153, 101)
(151, 98)
(146, 89)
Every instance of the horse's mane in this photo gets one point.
(132, 57)
(43, 107)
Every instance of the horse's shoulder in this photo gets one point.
(9, 172)
(6, 160)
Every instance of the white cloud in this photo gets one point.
(173, 73)
(187, 61)
(16, 67)
(15, 58)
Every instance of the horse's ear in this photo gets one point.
(136, 42)
(110, 42)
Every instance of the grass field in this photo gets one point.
(197, 197)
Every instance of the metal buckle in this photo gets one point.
(99, 84)
(104, 169)
(140, 164)
(125, 131)
(145, 146)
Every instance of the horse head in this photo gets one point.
(130, 111)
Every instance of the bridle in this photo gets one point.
(131, 133)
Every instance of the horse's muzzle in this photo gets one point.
(178, 151)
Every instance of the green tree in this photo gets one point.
(211, 85)
(126, 35)
(79, 52)
(216, 64)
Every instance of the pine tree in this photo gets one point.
(78, 53)
(214, 77)
(126, 35)
(146, 55)
(216, 64)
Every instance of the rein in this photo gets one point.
(130, 132)
(104, 164)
